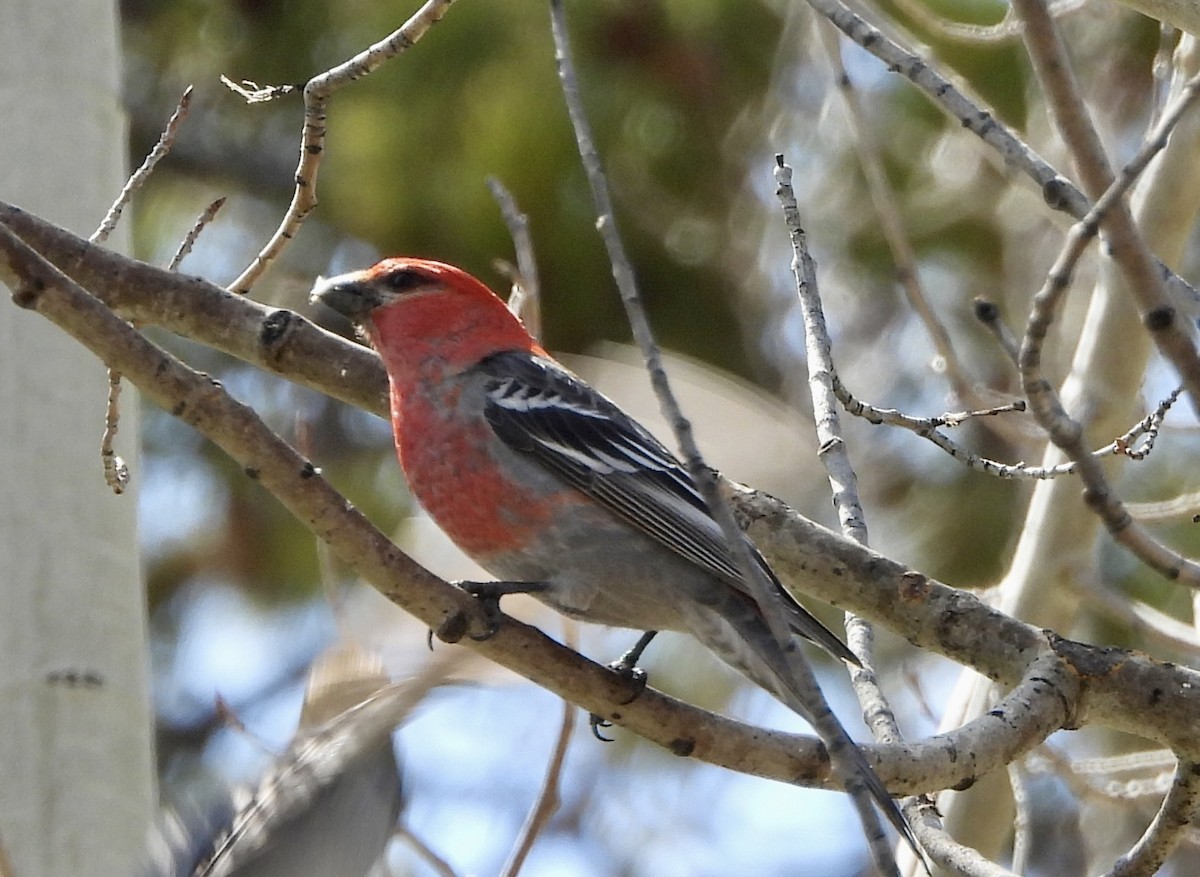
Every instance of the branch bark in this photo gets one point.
(1059, 683)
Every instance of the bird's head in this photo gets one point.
(357, 294)
(407, 304)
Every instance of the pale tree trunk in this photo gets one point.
(76, 766)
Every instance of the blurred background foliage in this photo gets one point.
(690, 100)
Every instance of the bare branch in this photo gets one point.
(1167, 830)
(202, 403)
(1143, 275)
(1058, 192)
(1142, 618)
(253, 93)
(116, 471)
(1043, 400)
(820, 563)
(988, 313)
(312, 137)
(843, 481)
(138, 178)
(1008, 28)
(808, 700)
(927, 428)
(548, 800)
(888, 211)
(1185, 506)
(189, 240)
(427, 854)
(525, 298)
(1021, 823)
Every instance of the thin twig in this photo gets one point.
(1092, 779)
(116, 470)
(802, 679)
(705, 477)
(1141, 618)
(1006, 29)
(831, 448)
(1162, 68)
(1058, 192)
(189, 240)
(1044, 402)
(888, 211)
(1143, 275)
(253, 93)
(312, 138)
(549, 798)
(525, 300)
(988, 313)
(1170, 824)
(927, 428)
(1148, 428)
(426, 853)
(1022, 822)
(138, 178)
(1184, 506)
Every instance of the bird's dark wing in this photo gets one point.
(538, 408)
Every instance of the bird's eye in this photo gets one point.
(403, 281)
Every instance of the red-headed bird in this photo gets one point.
(543, 480)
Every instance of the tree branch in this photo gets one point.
(1116, 688)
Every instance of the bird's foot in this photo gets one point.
(489, 594)
(626, 665)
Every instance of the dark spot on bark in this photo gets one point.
(454, 628)
(29, 293)
(274, 327)
(913, 586)
(308, 471)
(1156, 694)
(1054, 193)
(75, 678)
(986, 311)
(682, 747)
(251, 472)
(179, 408)
(1160, 318)
(963, 784)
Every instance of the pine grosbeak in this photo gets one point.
(543, 480)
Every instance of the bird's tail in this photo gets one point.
(738, 635)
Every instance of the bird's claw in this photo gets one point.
(598, 723)
(637, 678)
(489, 594)
(626, 667)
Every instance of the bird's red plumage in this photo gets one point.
(425, 338)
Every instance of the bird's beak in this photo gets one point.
(348, 294)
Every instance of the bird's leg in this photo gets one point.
(489, 594)
(627, 666)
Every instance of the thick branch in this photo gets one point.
(1118, 689)
(202, 403)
